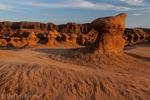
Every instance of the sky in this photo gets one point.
(78, 11)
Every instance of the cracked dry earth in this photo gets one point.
(59, 73)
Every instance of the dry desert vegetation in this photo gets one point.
(100, 60)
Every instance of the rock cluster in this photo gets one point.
(110, 31)
(136, 34)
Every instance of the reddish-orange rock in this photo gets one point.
(73, 38)
(65, 37)
(32, 40)
(83, 38)
(137, 37)
(51, 38)
(3, 42)
(12, 43)
(110, 31)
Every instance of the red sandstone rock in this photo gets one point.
(143, 37)
(65, 37)
(83, 38)
(12, 43)
(24, 41)
(110, 31)
(32, 40)
(73, 38)
(51, 39)
(3, 42)
(137, 37)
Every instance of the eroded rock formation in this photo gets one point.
(3, 43)
(110, 31)
(32, 40)
(73, 38)
(12, 42)
(83, 39)
(65, 37)
(137, 37)
(51, 38)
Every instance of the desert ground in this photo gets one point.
(54, 74)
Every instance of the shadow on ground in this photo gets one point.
(139, 57)
(63, 51)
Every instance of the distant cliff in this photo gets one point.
(7, 27)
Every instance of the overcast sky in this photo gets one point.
(79, 11)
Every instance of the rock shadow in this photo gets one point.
(139, 57)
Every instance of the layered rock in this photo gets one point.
(110, 31)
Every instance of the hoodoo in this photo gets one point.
(32, 40)
(110, 31)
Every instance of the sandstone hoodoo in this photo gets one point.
(32, 40)
(3, 42)
(65, 37)
(51, 39)
(137, 37)
(130, 37)
(110, 31)
(73, 38)
(83, 39)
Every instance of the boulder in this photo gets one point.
(110, 31)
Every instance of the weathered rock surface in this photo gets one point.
(23, 29)
(32, 40)
(3, 42)
(73, 38)
(110, 31)
(51, 37)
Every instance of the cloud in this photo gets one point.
(137, 14)
(79, 4)
(5, 7)
(135, 2)
(146, 11)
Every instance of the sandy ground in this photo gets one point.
(62, 73)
